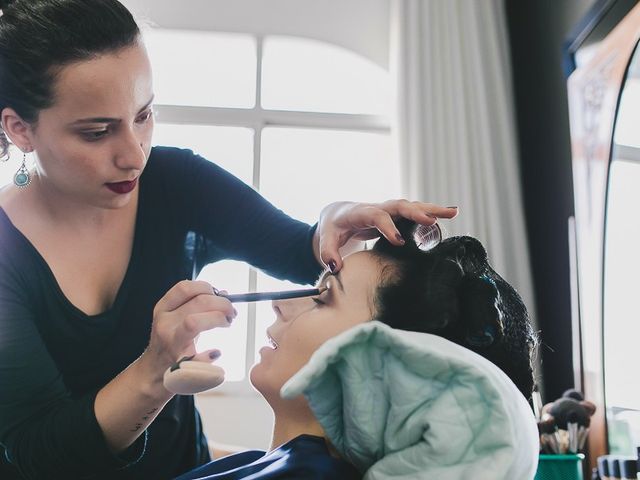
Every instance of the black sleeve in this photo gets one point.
(239, 221)
(45, 432)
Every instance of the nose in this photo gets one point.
(131, 154)
(290, 309)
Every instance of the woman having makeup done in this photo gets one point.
(100, 241)
(386, 357)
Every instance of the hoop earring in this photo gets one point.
(22, 178)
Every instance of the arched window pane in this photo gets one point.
(308, 75)
(202, 68)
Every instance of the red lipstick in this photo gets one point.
(122, 187)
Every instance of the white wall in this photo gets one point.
(245, 419)
(240, 420)
(359, 25)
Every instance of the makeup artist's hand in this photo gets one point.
(343, 221)
(186, 310)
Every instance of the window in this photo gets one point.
(295, 118)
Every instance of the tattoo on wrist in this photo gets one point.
(145, 418)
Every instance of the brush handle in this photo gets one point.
(259, 296)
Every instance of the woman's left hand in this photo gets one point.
(343, 221)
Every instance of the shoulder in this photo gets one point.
(181, 170)
(179, 163)
(164, 158)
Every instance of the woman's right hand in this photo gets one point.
(187, 309)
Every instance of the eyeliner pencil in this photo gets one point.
(258, 296)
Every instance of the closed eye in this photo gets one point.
(96, 135)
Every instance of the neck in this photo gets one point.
(74, 213)
(287, 427)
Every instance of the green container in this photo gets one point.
(560, 467)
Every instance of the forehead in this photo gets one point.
(106, 84)
(361, 273)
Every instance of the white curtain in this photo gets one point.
(456, 130)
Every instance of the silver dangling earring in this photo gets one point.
(22, 178)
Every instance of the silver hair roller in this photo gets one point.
(427, 236)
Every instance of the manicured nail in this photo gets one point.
(332, 266)
(399, 238)
(215, 354)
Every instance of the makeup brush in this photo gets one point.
(259, 296)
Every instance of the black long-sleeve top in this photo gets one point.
(54, 358)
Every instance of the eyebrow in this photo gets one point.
(327, 273)
(107, 119)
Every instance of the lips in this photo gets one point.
(272, 342)
(122, 187)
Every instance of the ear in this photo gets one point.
(19, 131)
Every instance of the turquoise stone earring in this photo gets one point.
(22, 177)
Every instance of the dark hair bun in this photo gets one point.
(5, 3)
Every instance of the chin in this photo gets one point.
(116, 203)
(258, 380)
(265, 384)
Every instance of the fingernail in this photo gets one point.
(215, 354)
(399, 238)
(332, 266)
(229, 320)
(215, 291)
(235, 312)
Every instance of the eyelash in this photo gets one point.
(146, 116)
(100, 134)
(318, 301)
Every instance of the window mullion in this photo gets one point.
(253, 273)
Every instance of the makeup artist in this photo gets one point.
(96, 242)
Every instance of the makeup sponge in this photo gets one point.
(192, 377)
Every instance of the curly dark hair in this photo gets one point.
(452, 291)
